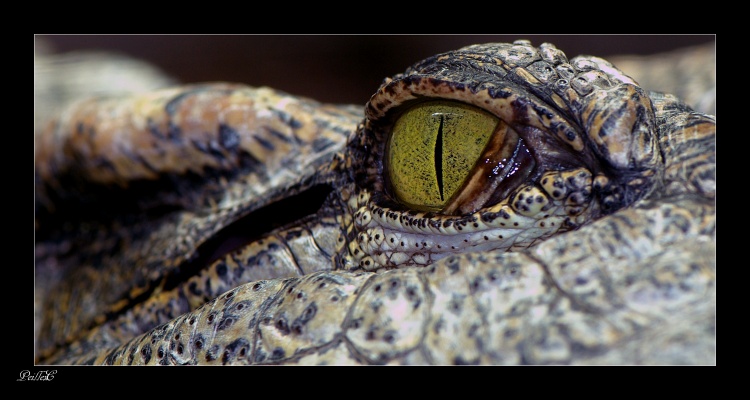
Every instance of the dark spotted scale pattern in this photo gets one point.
(248, 226)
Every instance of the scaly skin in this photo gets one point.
(602, 251)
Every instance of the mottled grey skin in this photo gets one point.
(604, 253)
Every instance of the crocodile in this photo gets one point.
(496, 204)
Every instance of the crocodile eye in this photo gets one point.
(442, 153)
(432, 149)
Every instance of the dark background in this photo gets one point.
(331, 68)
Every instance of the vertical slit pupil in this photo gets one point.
(439, 157)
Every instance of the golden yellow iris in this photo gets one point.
(432, 149)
